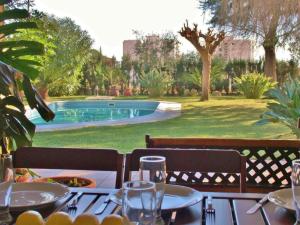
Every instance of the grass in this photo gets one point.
(227, 117)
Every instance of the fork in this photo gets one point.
(72, 207)
(209, 209)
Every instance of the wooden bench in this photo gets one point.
(268, 161)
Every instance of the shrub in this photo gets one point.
(253, 85)
(285, 108)
(155, 82)
(187, 93)
(194, 93)
(216, 93)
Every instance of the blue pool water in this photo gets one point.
(89, 111)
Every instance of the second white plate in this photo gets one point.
(175, 197)
(35, 195)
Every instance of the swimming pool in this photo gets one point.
(77, 114)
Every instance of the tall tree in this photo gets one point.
(21, 4)
(154, 50)
(205, 44)
(272, 22)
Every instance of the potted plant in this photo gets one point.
(17, 68)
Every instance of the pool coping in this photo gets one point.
(164, 111)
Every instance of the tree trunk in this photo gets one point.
(270, 62)
(229, 84)
(206, 59)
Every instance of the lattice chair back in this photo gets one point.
(268, 161)
(206, 170)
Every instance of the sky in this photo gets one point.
(109, 22)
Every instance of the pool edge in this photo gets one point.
(164, 111)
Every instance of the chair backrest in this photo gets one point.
(70, 158)
(224, 143)
(186, 161)
(268, 161)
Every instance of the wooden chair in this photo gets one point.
(70, 158)
(268, 161)
(183, 162)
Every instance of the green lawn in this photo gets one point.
(228, 117)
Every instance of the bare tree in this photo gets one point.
(205, 50)
(272, 22)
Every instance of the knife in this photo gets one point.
(103, 205)
(259, 204)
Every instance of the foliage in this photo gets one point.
(254, 85)
(218, 74)
(15, 128)
(155, 50)
(13, 52)
(194, 93)
(285, 108)
(286, 69)
(94, 72)
(294, 48)
(67, 47)
(191, 79)
(155, 82)
(72, 47)
(271, 23)
(21, 4)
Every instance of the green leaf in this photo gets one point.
(262, 122)
(21, 65)
(21, 44)
(17, 132)
(21, 48)
(28, 126)
(14, 14)
(7, 79)
(12, 28)
(13, 101)
(36, 101)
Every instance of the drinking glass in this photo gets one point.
(153, 168)
(6, 180)
(138, 202)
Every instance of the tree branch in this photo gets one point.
(193, 35)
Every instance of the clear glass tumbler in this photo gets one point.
(153, 168)
(138, 202)
(6, 180)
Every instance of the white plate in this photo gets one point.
(35, 195)
(282, 198)
(175, 197)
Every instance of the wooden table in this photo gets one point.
(230, 209)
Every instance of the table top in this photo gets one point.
(230, 209)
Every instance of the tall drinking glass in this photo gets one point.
(138, 202)
(153, 168)
(6, 180)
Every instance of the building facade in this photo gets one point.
(235, 49)
(129, 47)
